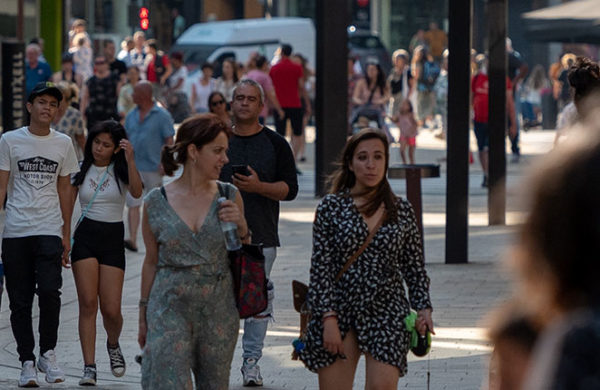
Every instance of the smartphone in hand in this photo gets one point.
(241, 170)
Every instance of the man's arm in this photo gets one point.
(4, 175)
(84, 101)
(65, 198)
(276, 191)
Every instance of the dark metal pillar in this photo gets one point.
(332, 87)
(496, 16)
(459, 78)
(20, 20)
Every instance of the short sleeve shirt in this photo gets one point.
(270, 155)
(265, 82)
(41, 72)
(285, 75)
(148, 136)
(35, 163)
(480, 90)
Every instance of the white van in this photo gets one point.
(215, 41)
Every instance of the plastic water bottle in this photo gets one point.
(232, 240)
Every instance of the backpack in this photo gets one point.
(159, 68)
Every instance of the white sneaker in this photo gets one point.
(28, 375)
(89, 376)
(47, 364)
(251, 373)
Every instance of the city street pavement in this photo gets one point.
(462, 295)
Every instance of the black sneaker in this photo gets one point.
(117, 362)
(484, 184)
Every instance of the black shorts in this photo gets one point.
(100, 240)
(295, 115)
(482, 135)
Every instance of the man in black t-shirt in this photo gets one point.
(118, 69)
(269, 177)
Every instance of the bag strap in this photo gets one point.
(223, 190)
(87, 208)
(102, 180)
(360, 250)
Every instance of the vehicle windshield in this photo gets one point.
(195, 55)
(365, 41)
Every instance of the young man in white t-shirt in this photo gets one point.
(36, 164)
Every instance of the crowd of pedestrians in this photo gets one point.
(119, 125)
(115, 114)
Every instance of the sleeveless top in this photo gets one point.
(202, 93)
(178, 245)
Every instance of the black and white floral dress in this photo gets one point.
(370, 297)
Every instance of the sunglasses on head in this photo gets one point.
(214, 104)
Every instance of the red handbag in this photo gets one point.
(249, 280)
(247, 266)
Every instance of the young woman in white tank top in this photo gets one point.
(98, 255)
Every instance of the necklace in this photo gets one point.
(100, 172)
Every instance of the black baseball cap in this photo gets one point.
(45, 88)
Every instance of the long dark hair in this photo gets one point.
(117, 133)
(198, 130)
(379, 81)
(344, 179)
(213, 94)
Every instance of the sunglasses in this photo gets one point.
(100, 62)
(218, 102)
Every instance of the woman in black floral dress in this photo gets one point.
(363, 312)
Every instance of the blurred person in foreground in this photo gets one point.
(362, 312)
(583, 79)
(513, 334)
(556, 258)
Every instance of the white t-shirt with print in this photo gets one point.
(35, 162)
(109, 203)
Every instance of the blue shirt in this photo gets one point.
(41, 72)
(148, 136)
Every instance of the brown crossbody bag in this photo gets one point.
(300, 290)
